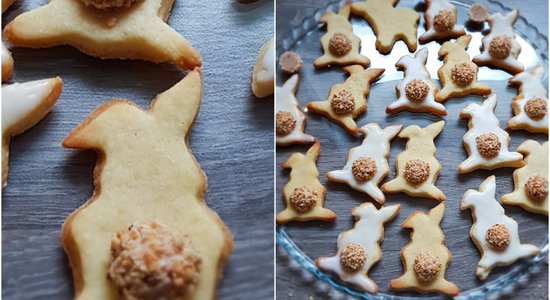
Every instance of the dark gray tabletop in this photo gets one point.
(232, 140)
(319, 238)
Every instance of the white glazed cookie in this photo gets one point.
(416, 92)
(367, 164)
(23, 106)
(290, 120)
(495, 234)
(531, 180)
(263, 75)
(359, 247)
(304, 194)
(440, 17)
(531, 104)
(500, 48)
(485, 142)
(7, 63)
(417, 167)
(347, 100)
(425, 258)
(340, 45)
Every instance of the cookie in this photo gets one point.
(440, 18)
(417, 167)
(425, 258)
(6, 4)
(290, 121)
(485, 142)
(304, 194)
(530, 106)
(263, 75)
(347, 100)
(290, 62)
(367, 164)
(137, 32)
(531, 181)
(388, 23)
(499, 48)
(359, 247)
(477, 13)
(7, 63)
(145, 176)
(458, 75)
(494, 234)
(340, 45)
(23, 106)
(416, 92)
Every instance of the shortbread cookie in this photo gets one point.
(340, 45)
(485, 142)
(6, 4)
(531, 180)
(7, 63)
(458, 75)
(263, 75)
(290, 121)
(23, 106)
(495, 234)
(367, 164)
(416, 92)
(440, 17)
(531, 104)
(347, 100)
(388, 23)
(359, 247)
(425, 258)
(137, 32)
(417, 167)
(500, 48)
(145, 175)
(304, 194)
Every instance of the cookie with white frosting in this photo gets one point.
(440, 18)
(290, 121)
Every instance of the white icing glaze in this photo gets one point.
(286, 101)
(20, 99)
(415, 68)
(531, 86)
(483, 120)
(367, 232)
(376, 145)
(501, 25)
(432, 10)
(6, 57)
(488, 212)
(268, 63)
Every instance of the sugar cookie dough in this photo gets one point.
(290, 121)
(263, 75)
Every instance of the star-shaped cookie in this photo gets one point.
(137, 32)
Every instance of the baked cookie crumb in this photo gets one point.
(149, 261)
(462, 74)
(109, 4)
(426, 266)
(535, 108)
(488, 144)
(416, 90)
(339, 44)
(290, 62)
(498, 237)
(537, 188)
(303, 199)
(500, 46)
(444, 20)
(416, 171)
(285, 123)
(342, 103)
(364, 168)
(353, 258)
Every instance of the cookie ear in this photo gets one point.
(388, 212)
(422, 55)
(436, 213)
(435, 128)
(491, 102)
(345, 10)
(464, 41)
(512, 16)
(313, 152)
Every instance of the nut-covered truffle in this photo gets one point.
(150, 261)
(426, 266)
(500, 46)
(339, 44)
(462, 74)
(497, 237)
(417, 90)
(488, 144)
(284, 123)
(290, 62)
(342, 103)
(535, 108)
(478, 13)
(109, 4)
(537, 188)
(353, 258)
(417, 171)
(444, 20)
(363, 168)
(303, 199)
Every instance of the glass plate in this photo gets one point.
(304, 242)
